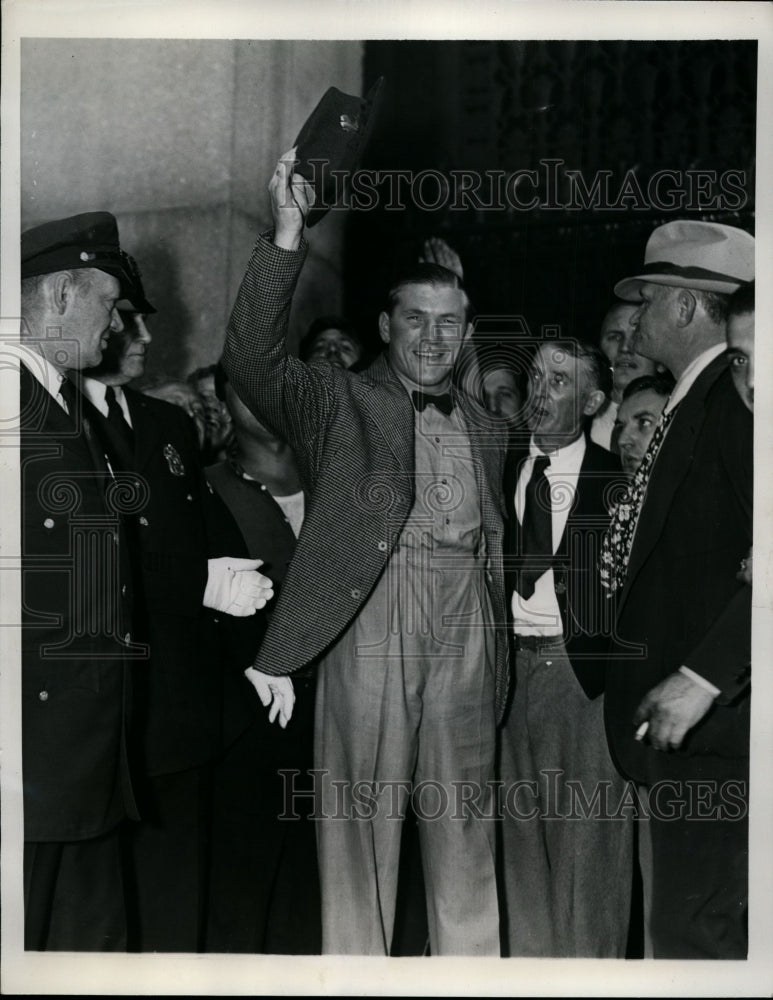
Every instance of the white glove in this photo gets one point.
(278, 690)
(235, 587)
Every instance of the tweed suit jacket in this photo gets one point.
(353, 436)
(585, 615)
(681, 602)
(76, 617)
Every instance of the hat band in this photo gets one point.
(702, 273)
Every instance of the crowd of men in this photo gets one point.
(270, 611)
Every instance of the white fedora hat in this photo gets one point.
(702, 255)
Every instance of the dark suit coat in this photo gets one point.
(178, 687)
(681, 600)
(75, 685)
(353, 436)
(586, 616)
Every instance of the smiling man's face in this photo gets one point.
(424, 333)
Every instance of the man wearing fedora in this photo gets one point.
(76, 597)
(394, 588)
(677, 691)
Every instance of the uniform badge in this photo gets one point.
(173, 460)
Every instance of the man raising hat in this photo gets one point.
(677, 694)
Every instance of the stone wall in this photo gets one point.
(178, 139)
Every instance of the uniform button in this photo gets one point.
(189, 497)
(262, 487)
(144, 522)
(382, 546)
(123, 590)
(560, 588)
(356, 594)
(437, 439)
(43, 696)
(444, 482)
(127, 638)
(548, 663)
(48, 523)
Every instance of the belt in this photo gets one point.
(536, 642)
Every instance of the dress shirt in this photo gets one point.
(95, 391)
(48, 376)
(540, 614)
(603, 425)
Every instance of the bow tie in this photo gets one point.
(443, 402)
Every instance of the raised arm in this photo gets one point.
(287, 395)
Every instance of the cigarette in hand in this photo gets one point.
(642, 730)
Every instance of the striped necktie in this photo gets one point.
(618, 540)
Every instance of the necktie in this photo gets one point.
(536, 529)
(618, 540)
(67, 392)
(442, 402)
(117, 420)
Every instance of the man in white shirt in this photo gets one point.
(567, 852)
(670, 558)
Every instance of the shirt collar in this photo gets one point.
(48, 376)
(563, 458)
(685, 381)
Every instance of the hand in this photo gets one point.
(275, 691)
(436, 251)
(672, 708)
(235, 587)
(291, 198)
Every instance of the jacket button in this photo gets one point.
(560, 588)
(43, 696)
(123, 590)
(127, 638)
(356, 594)
(48, 523)
(144, 522)
(382, 546)
(189, 497)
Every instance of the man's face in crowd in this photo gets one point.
(634, 426)
(218, 419)
(136, 338)
(424, 332)
(616, 342)
(560, 397)
(500, 393)
(740, 348)
(336, 347)
(653, 319)
(183, 395)
(91, 315)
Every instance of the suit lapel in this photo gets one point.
(381, 392)
(669, 470)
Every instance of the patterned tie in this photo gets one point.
(118, 421)
(537, 528)
(617, 542)
(443, 402)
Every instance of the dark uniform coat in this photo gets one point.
(76, 628)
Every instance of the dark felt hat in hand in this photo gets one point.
(82, 241)
(333, 139)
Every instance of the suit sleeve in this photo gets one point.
(723, 656)
(293, 399)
